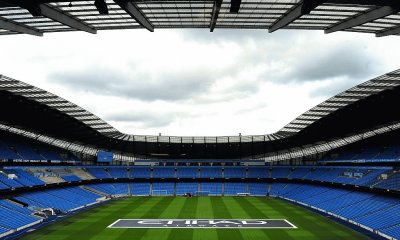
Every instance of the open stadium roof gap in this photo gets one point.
(94, 132)
(37, 17)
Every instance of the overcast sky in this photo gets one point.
(193, 82)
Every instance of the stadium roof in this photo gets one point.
(36, 17)
(340, 120)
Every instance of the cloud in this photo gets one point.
(350, 60)
(170, 86)
(143, 119)
(333, 87)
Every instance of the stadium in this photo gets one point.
(331, 173)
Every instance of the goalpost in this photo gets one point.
(159, 193)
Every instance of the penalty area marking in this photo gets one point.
(202, 223)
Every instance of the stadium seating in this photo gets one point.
(233, 188)
(111, 189)
(71, 178)
(258, 189)
(393, 182)
(19, 220)
(139, 172)
(162, 188)
(98, 172)
(258, 172)
(280, 172)
(140, 189)
(187, 172)
(186, 187)
(376, 212)
(211, 172)
(117, 172)
(211, 188)
(163, 172)
(234, 172)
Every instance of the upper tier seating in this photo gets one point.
(211, 172)
(234, 172)
(99, 173)
(187, 172)
(163, 172)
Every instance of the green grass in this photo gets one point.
(92, 224)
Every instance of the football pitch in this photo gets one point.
(93, 223)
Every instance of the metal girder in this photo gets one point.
(295, 128)
(360, 92)
(350, 97)
(61, 17)
(365, 2)
(39, 97)
(18, 27)
(392, 31)
(235, 5)
(135, 13)
(16, 88)
(345, 102)
(301, 9)
(215, 13)
(363, 18)
(72, 111)
(101, 6)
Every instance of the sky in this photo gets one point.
(187, 82)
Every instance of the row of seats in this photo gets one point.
(371, 154)
(24, 150)
(380, 213)
(359, 176)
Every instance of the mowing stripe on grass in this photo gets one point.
(254, 212)
(153, 212)
(204, 211)
(187, 211)
(222, 212)
(113, 209)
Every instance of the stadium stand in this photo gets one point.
(258, 189)
(211, 172)
(234, 172)
(162, 188)
(140, 172)
(187, 172)
(234, 188)
(140, 189)
(98, 172)
(117, 172)
(186, 187)
(208, 188)
(163, 172)
(373, 211)
(258, 172)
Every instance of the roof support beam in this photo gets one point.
(392, 31)
(364, 18)
(135, 13)
(215, 13)
(18, 27)
(305, 7)
(235, 5)
(61, 17)
(101, 6)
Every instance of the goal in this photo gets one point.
(159, 193)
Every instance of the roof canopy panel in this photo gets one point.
(36, 17)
